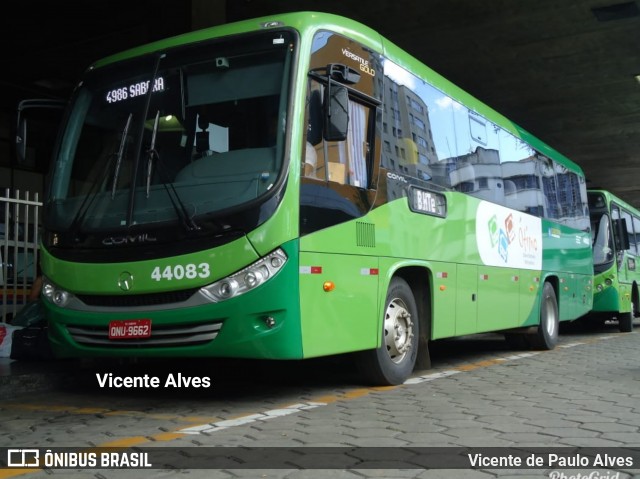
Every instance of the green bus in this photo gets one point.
(615, 225)
(298, 186)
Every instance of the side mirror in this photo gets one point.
(336, 112)
(21, 124)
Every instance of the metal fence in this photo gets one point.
(18, 250)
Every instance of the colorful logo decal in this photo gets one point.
(493, 230)
(508, 238)
(503, 247)
(508, 226)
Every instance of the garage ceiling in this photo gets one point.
(568, 71)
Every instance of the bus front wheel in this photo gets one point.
(546, 336)
(393, 361)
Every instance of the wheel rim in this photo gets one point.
(551, 317)
(398, 330)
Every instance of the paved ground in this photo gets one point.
(479, 395)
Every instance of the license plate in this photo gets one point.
(130, 329)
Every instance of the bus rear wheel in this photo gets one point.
(393, 362)
(546, 336)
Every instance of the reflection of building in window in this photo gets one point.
(405, 148)
(477, 128)
(531, 185)
(451, 146)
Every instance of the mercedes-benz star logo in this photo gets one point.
(125, 281)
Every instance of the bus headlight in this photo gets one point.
(227, 289)
(55, 294)
(247, 279)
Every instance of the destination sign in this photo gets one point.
(134, 90)
(427, 202)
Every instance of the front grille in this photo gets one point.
(132, 300)
(161, 336)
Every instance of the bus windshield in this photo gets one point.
(172, 137)
(602, 240)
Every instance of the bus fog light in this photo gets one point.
(608, 282)
(599, 287)
(270, 322)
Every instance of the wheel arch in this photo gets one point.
(545, 336)
(554, 281)
(419, 279)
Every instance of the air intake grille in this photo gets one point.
(132, 300)
(365, 234)
(161, 336)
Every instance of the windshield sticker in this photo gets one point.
(554, 233)
(508, 238)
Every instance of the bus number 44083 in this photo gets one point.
(179, 271)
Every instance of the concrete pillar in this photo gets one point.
(207, 13)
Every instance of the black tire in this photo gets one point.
(546, 336)
(393, 362)
(625, 321)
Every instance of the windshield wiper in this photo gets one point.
(93, 192)
(136, 166)
(123, 142)
(151, 152)
(178, 205)
(187, 221)
(176, 202)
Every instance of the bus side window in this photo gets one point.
(631, 244)
(348, 159)
(344, 162)
(313, 152)
(636, 236)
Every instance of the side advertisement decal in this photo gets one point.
(508, 238)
